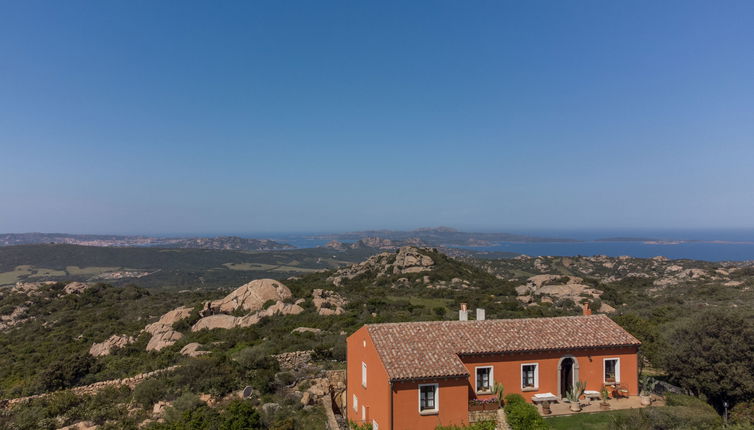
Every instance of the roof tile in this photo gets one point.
(417, 350)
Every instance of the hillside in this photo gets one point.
(222, 242)
(286, 338)
(163, 268)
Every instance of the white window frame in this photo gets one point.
(363, 413)
(363, 374)
(617, 370)
(355, 403)
(536, 377)
(437, 399)
(375, 426)
(492, 379)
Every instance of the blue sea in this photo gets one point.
(710, 245)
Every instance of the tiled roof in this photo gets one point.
(416, 350)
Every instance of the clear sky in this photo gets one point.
(252, 116)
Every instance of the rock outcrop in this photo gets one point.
(163, 334)
(30, 288)
(408, 259)
(328, 302)
(215, 321)
(76, 288)
(306, 330)
(411, 260)
(555, 286)
(107, 346)
(225, 321)
(251, 297)
(18, 316)
(192, 350)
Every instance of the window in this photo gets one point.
(363, 374)
(484, 379)
(355, 403)
(428, 398)
(612, 370)
(363, 413)
(530, 376)
(375, 426)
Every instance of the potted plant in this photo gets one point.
(499, 390)
(574, 395)
(648, 385)
(604, 396)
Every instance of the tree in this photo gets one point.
(713, 355)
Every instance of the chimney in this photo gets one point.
(585, 309)
(479, 314)
(463, 314)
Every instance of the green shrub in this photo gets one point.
(668, 418)
(743, 413)
(522, 415)
(150, 392)
(240, 415)
(514, 398)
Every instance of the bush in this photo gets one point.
(668, 418)
(240, 415)
(711, 355)
(514, 399)
(149, 392)
(522, 415)
(743, 413)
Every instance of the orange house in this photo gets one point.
(418, 375)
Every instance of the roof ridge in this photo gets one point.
(485, 320)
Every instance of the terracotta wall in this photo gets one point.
(507, 369)
(453, 405)
(376, 396)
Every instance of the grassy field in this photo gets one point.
(91, 271)
(593, 421)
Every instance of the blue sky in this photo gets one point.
(219, 117)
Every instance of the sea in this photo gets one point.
(709, 245)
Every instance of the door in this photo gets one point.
(566, 376)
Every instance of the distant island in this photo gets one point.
(439, 237)
(232, 243)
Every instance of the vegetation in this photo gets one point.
(712, 355)
(482, 425)
(522, 415)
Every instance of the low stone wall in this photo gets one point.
(130, 382)
(332, 422)
(292, 360)
(477, 416)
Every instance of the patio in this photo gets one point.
(632, 402)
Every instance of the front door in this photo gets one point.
(566, 376)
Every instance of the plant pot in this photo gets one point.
(575, 407)
(646, 400)
(476, 407)
(605, 406)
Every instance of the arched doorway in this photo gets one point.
(568, 373)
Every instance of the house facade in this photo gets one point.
(418, 375)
